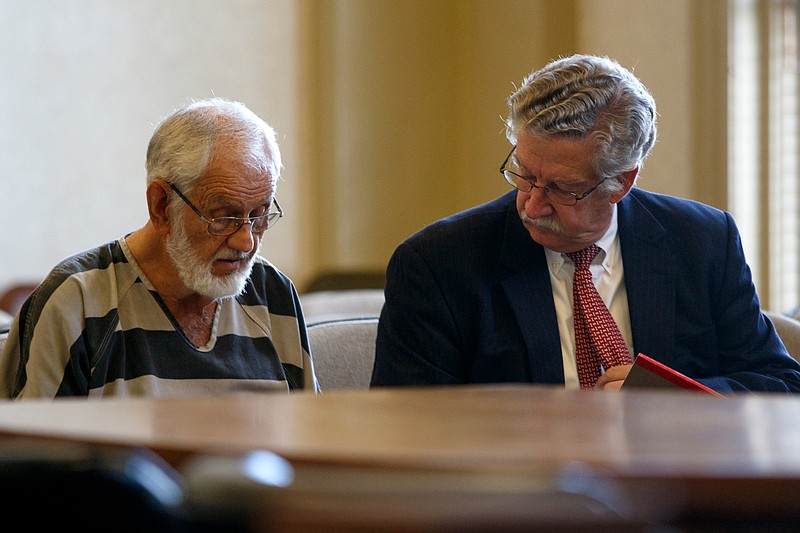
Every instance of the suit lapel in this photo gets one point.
(649, 278)
(529, 293)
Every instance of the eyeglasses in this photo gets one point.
(223, 226)
(554, 193)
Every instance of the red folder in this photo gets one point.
(648, 372)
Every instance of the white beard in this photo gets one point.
(196, 273)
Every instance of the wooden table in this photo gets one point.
(477, 456)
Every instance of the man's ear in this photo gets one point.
(627, 179)
(158, 193)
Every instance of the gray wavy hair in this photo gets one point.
(588, 97)
(182, 145)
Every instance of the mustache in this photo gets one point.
(547, 223)
(232, 256)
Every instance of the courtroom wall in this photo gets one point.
(389, 112)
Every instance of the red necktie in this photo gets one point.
(597, 337)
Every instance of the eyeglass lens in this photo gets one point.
(230, 225)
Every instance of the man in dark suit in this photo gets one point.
(485, 296)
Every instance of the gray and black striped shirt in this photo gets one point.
(97, 327)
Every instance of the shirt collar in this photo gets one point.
(607, 244)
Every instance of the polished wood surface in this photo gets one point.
(737, 454)
(516, 427)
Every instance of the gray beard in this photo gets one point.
(196, 274)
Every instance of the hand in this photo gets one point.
(613, 377)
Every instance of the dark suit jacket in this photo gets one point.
(468, 300)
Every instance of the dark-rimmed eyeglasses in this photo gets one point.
(223, 226)
(510, 172)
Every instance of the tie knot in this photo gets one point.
(583, 258)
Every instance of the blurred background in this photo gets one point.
(389, 113)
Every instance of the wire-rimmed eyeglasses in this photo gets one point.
(223, 226)
(510, 172)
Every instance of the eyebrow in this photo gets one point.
(576, 183)
(220, 201)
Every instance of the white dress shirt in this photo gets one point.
(608, 277)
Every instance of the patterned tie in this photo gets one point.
(597, 337)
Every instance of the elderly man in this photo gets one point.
(575, 271)
(184, 305)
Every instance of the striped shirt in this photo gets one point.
(97, 327)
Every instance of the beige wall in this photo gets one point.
(413, 93)
(389, 112)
